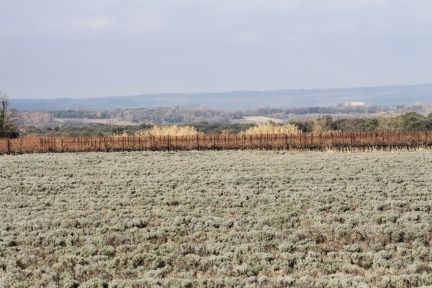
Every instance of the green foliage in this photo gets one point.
(386, 123)
(108, 130)
(323, 124)
(220, 128)
(407, 122)
(78, 114)
(356, 124)
(7, 127)
(191, 115)
(304, 126)
(415, 122)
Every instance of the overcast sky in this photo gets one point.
(93, 48)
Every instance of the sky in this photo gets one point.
(95, 48)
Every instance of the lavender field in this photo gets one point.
(216, 219)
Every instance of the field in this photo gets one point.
(216, 219)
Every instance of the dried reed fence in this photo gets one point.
(338, 141)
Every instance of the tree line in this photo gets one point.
(406, 122)
(184, 115)
(410, 121)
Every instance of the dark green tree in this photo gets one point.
(7, 128)
(414, 122)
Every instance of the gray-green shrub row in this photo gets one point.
(216, 219)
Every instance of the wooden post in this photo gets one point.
(426, 139)
(8, 146)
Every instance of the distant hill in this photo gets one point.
(383, 96)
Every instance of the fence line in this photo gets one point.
(340, 141)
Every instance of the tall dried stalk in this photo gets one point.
(172, 130)
(271, 128)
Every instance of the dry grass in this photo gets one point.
(171, 130)
(272, 128)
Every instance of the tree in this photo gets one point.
(7, 128)
(323, 124)
(390, 123)
(414, 122)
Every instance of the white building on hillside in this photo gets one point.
(355, 104)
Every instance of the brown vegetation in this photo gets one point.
(340, 141)
(271, 128)
(168, 131)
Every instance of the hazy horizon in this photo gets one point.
(228, 92)
(102, 48)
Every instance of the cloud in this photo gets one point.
(356, 4)
(282, 6)
(97, 23)
(143, 21)
(133, 22)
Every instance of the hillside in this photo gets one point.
(385, 96)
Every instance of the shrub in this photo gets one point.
(272, 128)
(172, 130)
